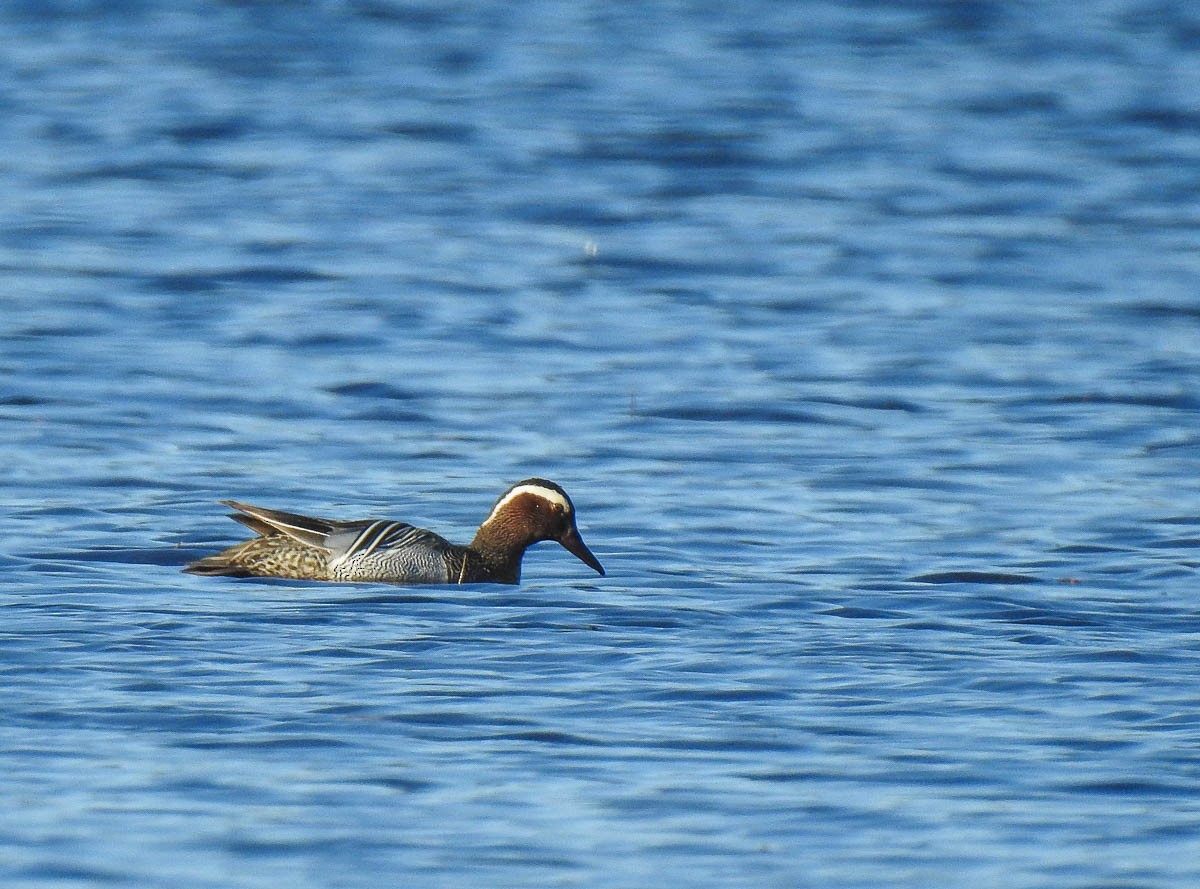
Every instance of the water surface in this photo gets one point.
(865, 339)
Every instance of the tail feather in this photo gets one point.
(286, 545)
(256, 525)
(217, 566)
(308, 530)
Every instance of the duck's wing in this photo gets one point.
(368, 540)
(353, 540)
(309, 530)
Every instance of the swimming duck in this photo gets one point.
(382, 551)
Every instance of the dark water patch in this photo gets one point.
(202, 788)
(1003, 103)
(551, 213)
(438, 132)
(278, 743)
(147, 686)
(738, 414)
(643, 265)
(1184, 569)
(457, 719)
(1182, 829)
(873, 404)
(419, 19)
(986, 577)
(173, 556)
(1033, 617)
(295, 338)
(1144, 788)
(1133, 716)
(168, 721)
(136, 482)
(397, 599)
(844, 729)
(1118, 656)
(387, 665)
(340, 652)
(1093, 743)
(388, 414)
(400, 784)
(793, 603)
(785, 776)
(1006, 686)
(663, 621)
(683, 187)
(407, 314)
(1177, 520)
(351, 710)
(1175, 401)
(30, 401)
(39, 332)
(157, 172)
(719, 694)
(1162, 310)
(867, 477)
(182, 283)
(232, 446)
(255, 848)
(505, 596)
(374, 389)
(63, 873)
(938, 626)
(1035, 639)
(531, 623)
(228, 583)
(1176, 721)
(292, 618)
(1174, 543)
(1167, 119)
(927, 772)
(58, 566)
(718, 745)
(209, 130)
(1006, 177)
(1088, 549)
(226, 408)
(558, 739)
(676, 149)
(889, 587)
(859, 613)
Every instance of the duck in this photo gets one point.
(302, 547)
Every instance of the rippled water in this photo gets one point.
(865, 337)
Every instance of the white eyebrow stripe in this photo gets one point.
(537, 491)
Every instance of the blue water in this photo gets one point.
(866, 338)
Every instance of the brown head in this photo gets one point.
(536, 509)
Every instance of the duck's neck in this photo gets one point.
(495, 555)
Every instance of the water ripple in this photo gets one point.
(871, 372)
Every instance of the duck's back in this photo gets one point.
(308, 548)
(390, 552)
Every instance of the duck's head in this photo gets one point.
(536, 509)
